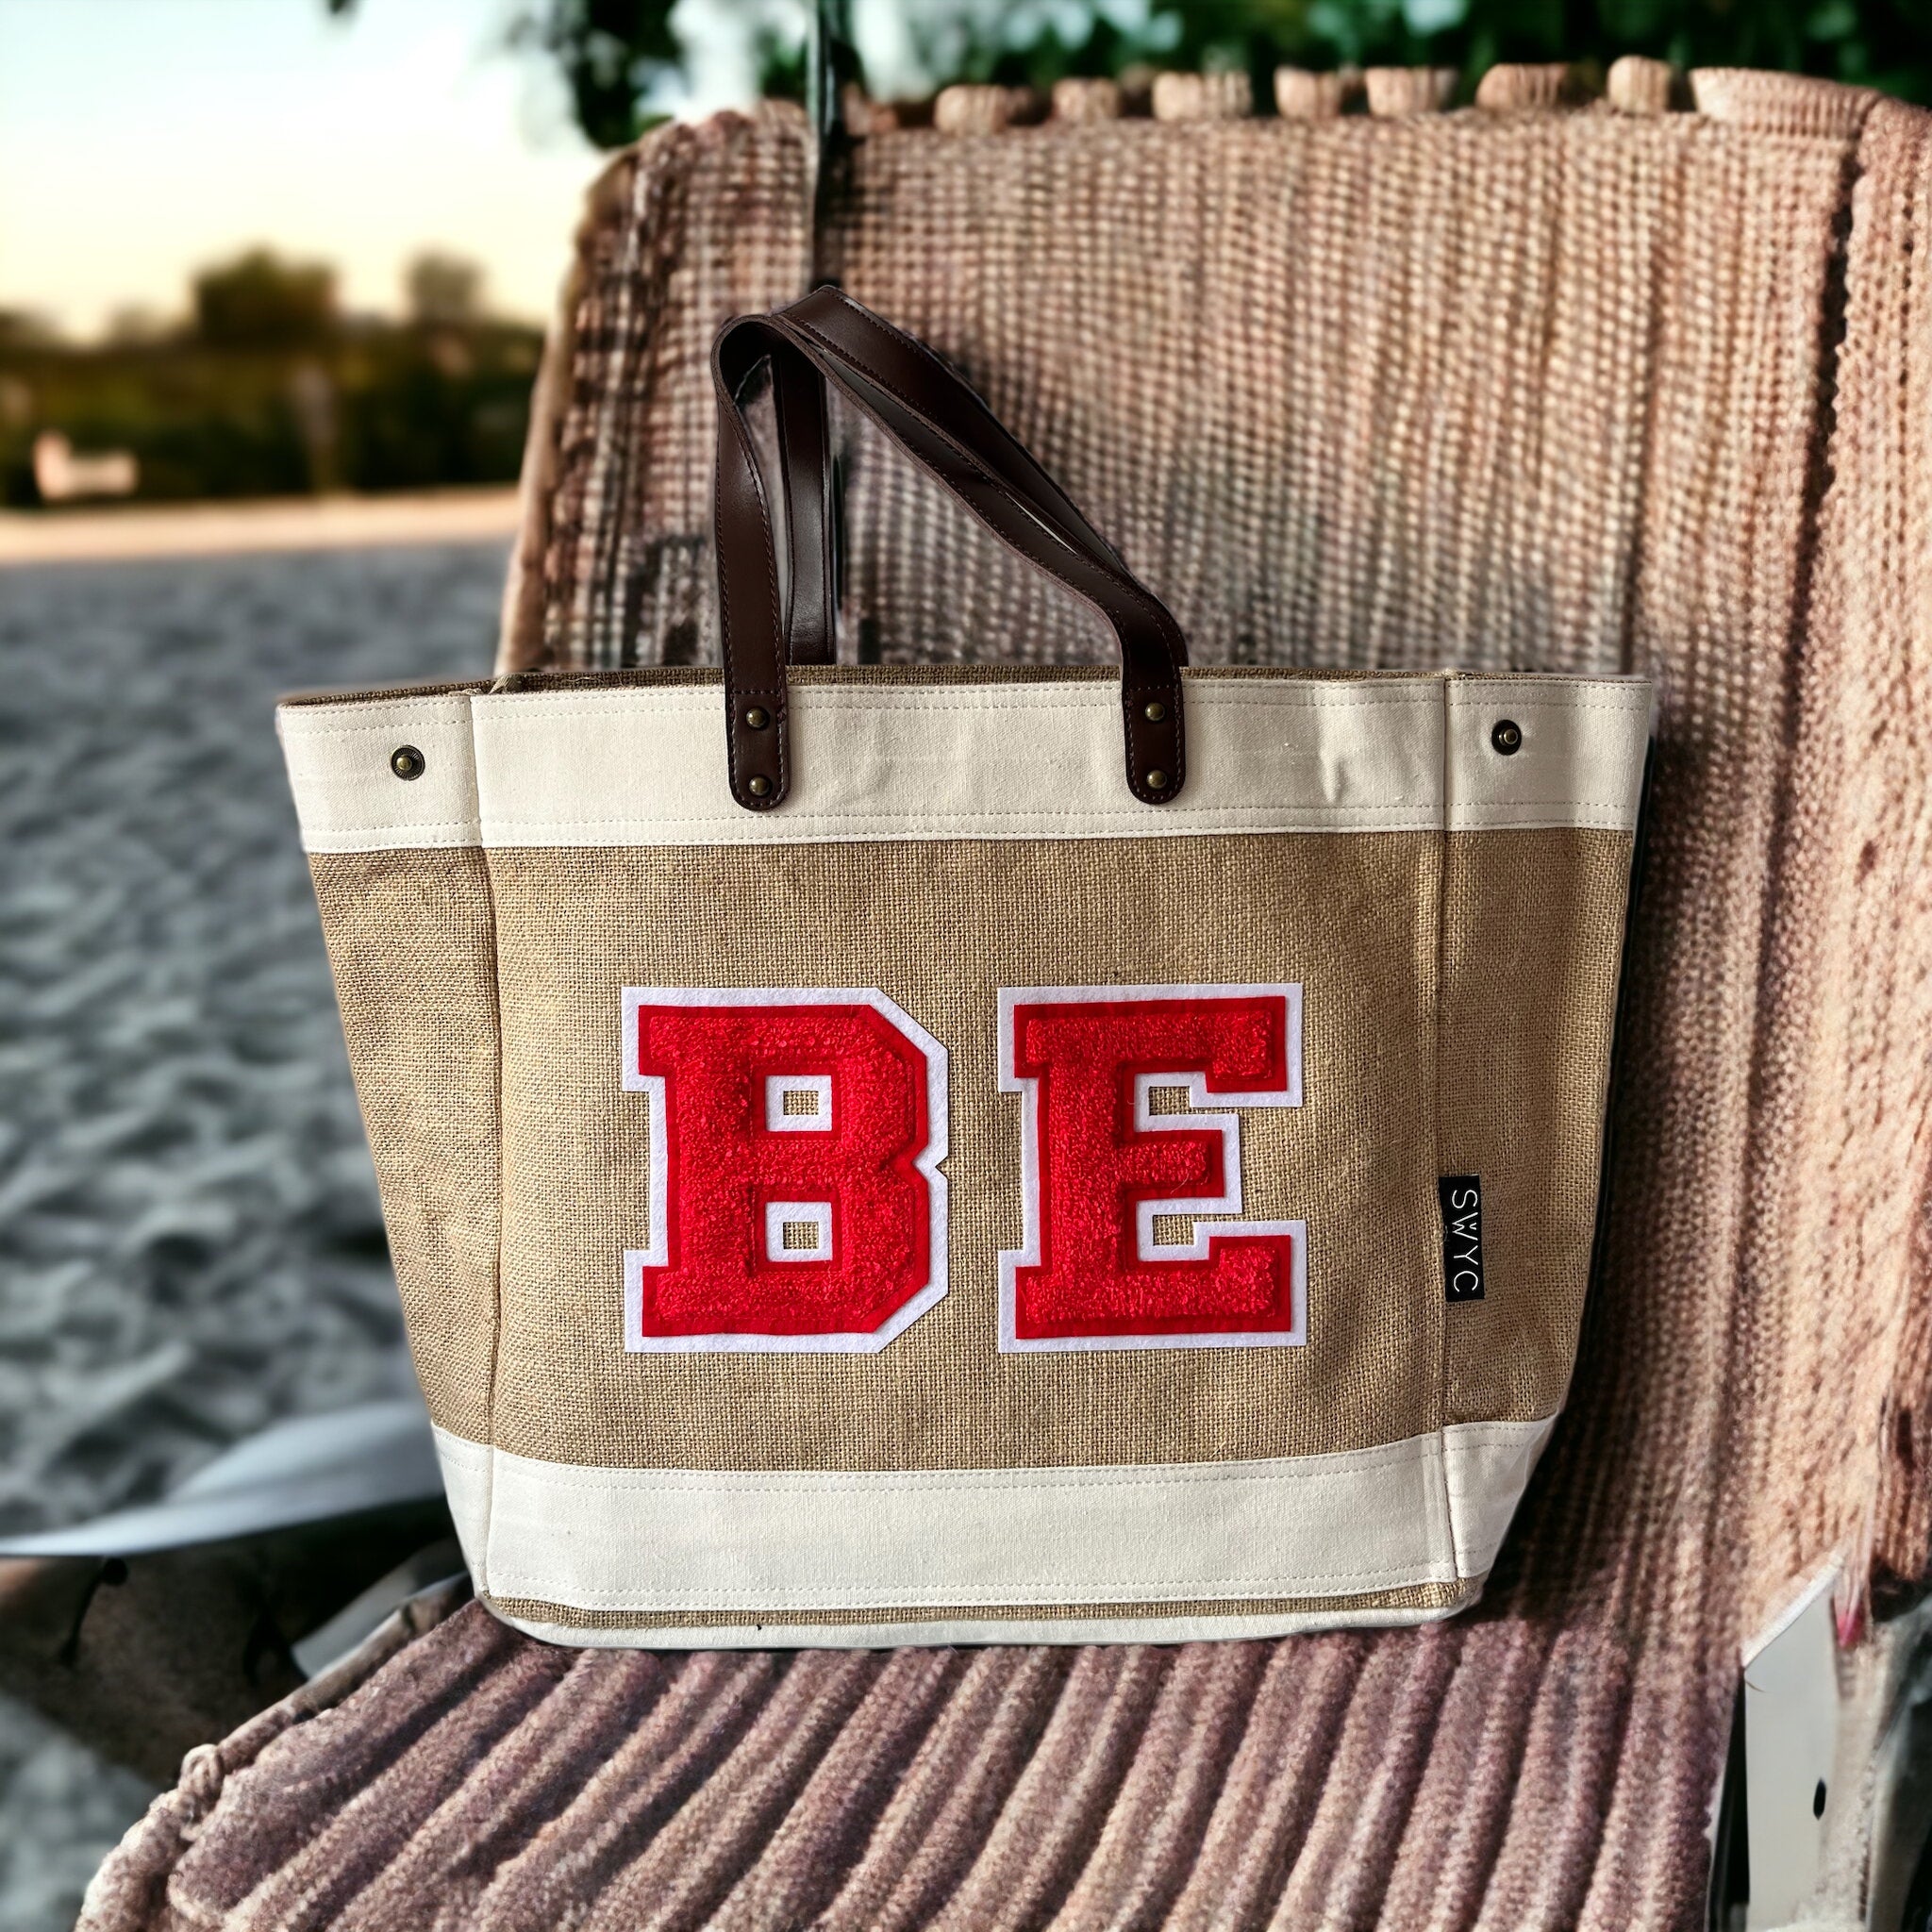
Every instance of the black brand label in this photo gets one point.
(1461, 1195)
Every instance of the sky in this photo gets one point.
(143, 139)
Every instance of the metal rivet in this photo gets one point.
(1506, 736)
(760, 786)
(1155, 714)
(405, 762)
(1157, 780)
(757, 717)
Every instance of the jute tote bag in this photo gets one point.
(886, 1155)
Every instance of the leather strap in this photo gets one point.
(931, 414)
(805, 444)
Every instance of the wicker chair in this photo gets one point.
(1547, 384)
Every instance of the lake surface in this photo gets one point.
(190, 1244)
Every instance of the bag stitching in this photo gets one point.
(1430, 816)
(1314, 1583)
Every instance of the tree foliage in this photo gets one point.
(1885, 44)
(269, 389)
(620, 56)
(258, 301)
(614, 55)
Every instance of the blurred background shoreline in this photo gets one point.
(93, 535)
(268, 389)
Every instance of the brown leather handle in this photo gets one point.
(934, 417)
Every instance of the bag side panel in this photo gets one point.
(411, 943)
(1532, 935)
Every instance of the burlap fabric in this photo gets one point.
(1581, 388)
(1504, 1078)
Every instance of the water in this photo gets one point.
(190, 1246)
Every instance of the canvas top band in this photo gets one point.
(640, 765)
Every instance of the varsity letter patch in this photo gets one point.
(1121, 1155)
(795, 1197)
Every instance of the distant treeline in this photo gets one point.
(269, 390)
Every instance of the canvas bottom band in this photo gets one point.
(1400, 1532)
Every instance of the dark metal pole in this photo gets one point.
(831, 62)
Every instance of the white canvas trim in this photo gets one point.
(1580, 763)
(818, 1122)
(655, 1254)
(1486, 1468)
(1430, 1508)
(644, 765)
(1206, 1231)
(348, 799)
(814, 1214)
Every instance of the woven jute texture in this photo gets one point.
(415, 975)
(1581, 390)
(1458, 995)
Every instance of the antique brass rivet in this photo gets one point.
(405, 762)
(1155, 712)
(1157, 780)
(757, 717)
(760, 786)
(1506, 737)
